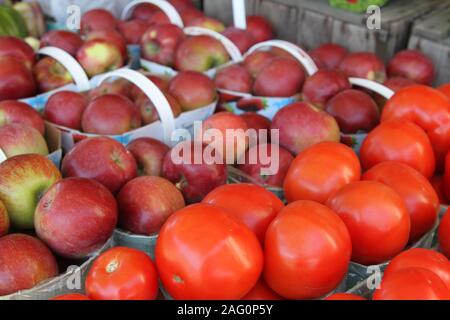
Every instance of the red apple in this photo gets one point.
(144, 11)
(181, 5)
(110, 114)
(111, 36)
(194, 180)
(280, 78)
(190, 14)
(119, 86)
(323, 85)
(133, 30)
(12, 111)
(50, 74)
(200, 53)
(149, 113)
(97, 19)
(24, 262)
(99, 56)
(65, 40)
(256, 61)
(102, 159)
(301, 125)
(257, 122)
(65, 108)
(20, 85)
(412, 64)
(145, 203)
(23, 181)
(161, 83)
(330, 54)
(76, 217)
(241, 38)
(260, 28)
(234, 78)
(4, 220)
(159, 43)
(253, 168)
(192, 90)
(354, 111)
(16, 139)
(149, 155)
(231, 147)
(364, 65)
(17, 48)
(207, 23)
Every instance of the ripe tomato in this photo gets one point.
(447, 176)
(437, 182)
(445, 89)
(203, 252)
(307, 251)
(444, 234)
(412, 284)
(421, 258)
(344, 296)
(376, 218)
(122, 274)
(253, 205)
(429, 109)
(416, 191)
(71, 296)
(401, 141)
(261, 291)
(321, 170)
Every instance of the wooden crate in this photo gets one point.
(431, 35)
(313, 22)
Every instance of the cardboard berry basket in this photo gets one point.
(267, 106)
(71, 281)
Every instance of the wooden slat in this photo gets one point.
(434, 26)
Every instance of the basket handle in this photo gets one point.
(76, 71)
(165, 6)
(3, 156)
(372, 85)
(233, 51)
(153, 93)
(239, 14)
(291, 48)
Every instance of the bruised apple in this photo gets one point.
(149, 154)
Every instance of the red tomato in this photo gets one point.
(429, 109)
(445, 89)
(437, 182)
(122, 274)
(203, 252)
(253, 205)
(416, 191)
(447, 176)
(412, 284)
(71, 296)
(376, 218)
(344, 296)
(307, 251)
(261, 291)
(321, 170)
(401, 141)
(421, 258)
(444, 234)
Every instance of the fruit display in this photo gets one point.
(273, 173)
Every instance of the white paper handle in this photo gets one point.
(291, 48)
(165, 6)
(239, 14)
(76, 71)
(3, 156)
(372, 85)
(233, 51)
(153, 93)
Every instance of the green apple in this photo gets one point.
(24, 179)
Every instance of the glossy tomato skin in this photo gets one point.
(344, 296)
(416, 191)
(122, 274)
(412, 284)
(429, 109)
(261, 291)
(376, 218)
(444, 234)
(421, 258)
(203, 252)
(253, 205)
(437, 181)
(447, 177)
(307, 251)
(401, 141)
(71, 296)
(321, 170)
(445, 89)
